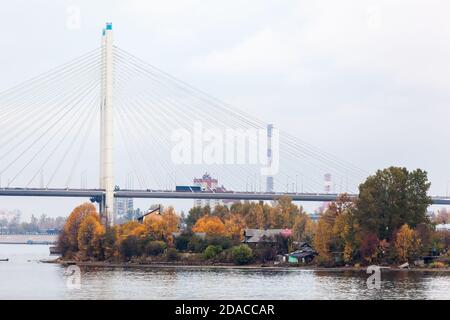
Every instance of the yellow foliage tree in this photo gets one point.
(322, 240)
(407, 243)
(289, 211)
(347, 233)
(132, 228)
(234, 226)
(260, 218)
(161, 226)
(303, 229)
(283, 214)
(171, 220)
(210, 225)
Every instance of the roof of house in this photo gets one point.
(300, 255)
(141, 218)
(259, 235)
(301, 245)
(303, 253)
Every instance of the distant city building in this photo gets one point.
(124, 208)
(209, 184)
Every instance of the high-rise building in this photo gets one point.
(123, 208)
(207, 183)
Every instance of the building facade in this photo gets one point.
(123, 209)
(210, 184)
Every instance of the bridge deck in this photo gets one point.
(168, 194)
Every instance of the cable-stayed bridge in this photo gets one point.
(51, 127)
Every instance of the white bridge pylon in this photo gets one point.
(106, 128)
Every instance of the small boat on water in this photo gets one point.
(4, 260)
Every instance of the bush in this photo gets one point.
(154, 248)
(437, 265)
(172, 254)
(225, 256)
(242, 254)
(182, 241)
(265, 253)
(221, 241)
(212, 251)
(129, 247)
(197, 244)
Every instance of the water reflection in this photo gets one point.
(25, 278)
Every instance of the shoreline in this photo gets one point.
(165, 265)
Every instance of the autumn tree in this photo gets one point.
(234, 226)
(220, 211)
(109, 242)
(407, 243)
(440, 241)
(196, 213)
(368, 246)
(322, 241)
(254, 217)
(334, 209)
(260, 216)
(210, 225)
(283, 214)
(424, 232)
(90, 235)
(132, 228)
(68, 240)
(391, 198)
(347, 233)
(303, 228)
(161, 226)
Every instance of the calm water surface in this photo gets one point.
(24, 277)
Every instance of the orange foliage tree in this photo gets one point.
(90, 236)
(68, 240)
(210, 225)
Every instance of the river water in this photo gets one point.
(24, 277)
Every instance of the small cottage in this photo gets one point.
(304, 253)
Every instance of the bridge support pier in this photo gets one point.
(106, 128)
(269, 179)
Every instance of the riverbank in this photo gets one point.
(284, 267)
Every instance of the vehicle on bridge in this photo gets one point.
(188, 189)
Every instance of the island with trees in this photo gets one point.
(386, 225)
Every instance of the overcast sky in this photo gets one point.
(367, 81)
